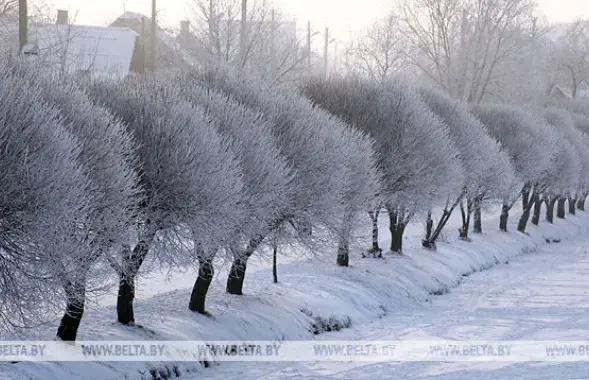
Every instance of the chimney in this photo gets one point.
(185, 28)
(62, 17)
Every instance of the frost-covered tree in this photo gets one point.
(465, 47)
(570, 57)
(266, 42)
(8, 8)
(417, 162)
(582, 124)
(570, 164)
(267, 177)
(380, 51)
(529, 143)
(107, 160)
(361, 182)
(354, 159)
(353, 109)
(191, 178)
(307, 138)
(487, 170)
(579, 110)
(44, 201)
(571, 129)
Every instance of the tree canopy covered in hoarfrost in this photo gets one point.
(266, 174)
(415, 156)
(567, 163)
(107, 157)
(487, 170)
(191, 178)
(44, 201)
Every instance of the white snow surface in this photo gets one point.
(541, 295)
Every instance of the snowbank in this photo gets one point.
(312, 297)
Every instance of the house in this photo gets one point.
(192, 49)
(114, 51)
(167, 54)
(79, 49)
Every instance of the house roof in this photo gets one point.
(105, 51)
(132, 16)
(168, 53)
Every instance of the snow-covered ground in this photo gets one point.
(537, 296)
(544, 296)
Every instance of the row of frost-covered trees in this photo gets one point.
(194, 167)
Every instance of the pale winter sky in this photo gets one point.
(342, 16)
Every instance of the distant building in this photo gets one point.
(192, 49)
(167, 52)
(78, 49)
(115, 51)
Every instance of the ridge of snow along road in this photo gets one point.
(310, 299)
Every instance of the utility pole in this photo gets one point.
(243, 34)
(325, 53)
(212, 18)
(309, 47)
(153, 34)
(23, 20)
(273, 43)
(143, 45)
(463, 90)
(335, 60)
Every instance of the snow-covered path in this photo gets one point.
(544, 296)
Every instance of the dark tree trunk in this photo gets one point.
(206, 271)
(550, 209)
(70, 322)
(130, 268)
(375, 250)
(393, 219)
(572, 206)
(463, 232)
(525, 197)
(431, 243)
(523, 220)
(478, 217)
(236, 276)
(561, 210)
(429, 226)
(581, 203)
(275, 262)
(126, 296)
(503, 218)
(537, 210)
(397, 238)
(239, 265)
(528, 202)
(343, 254)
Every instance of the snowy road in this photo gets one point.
(543, 296)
